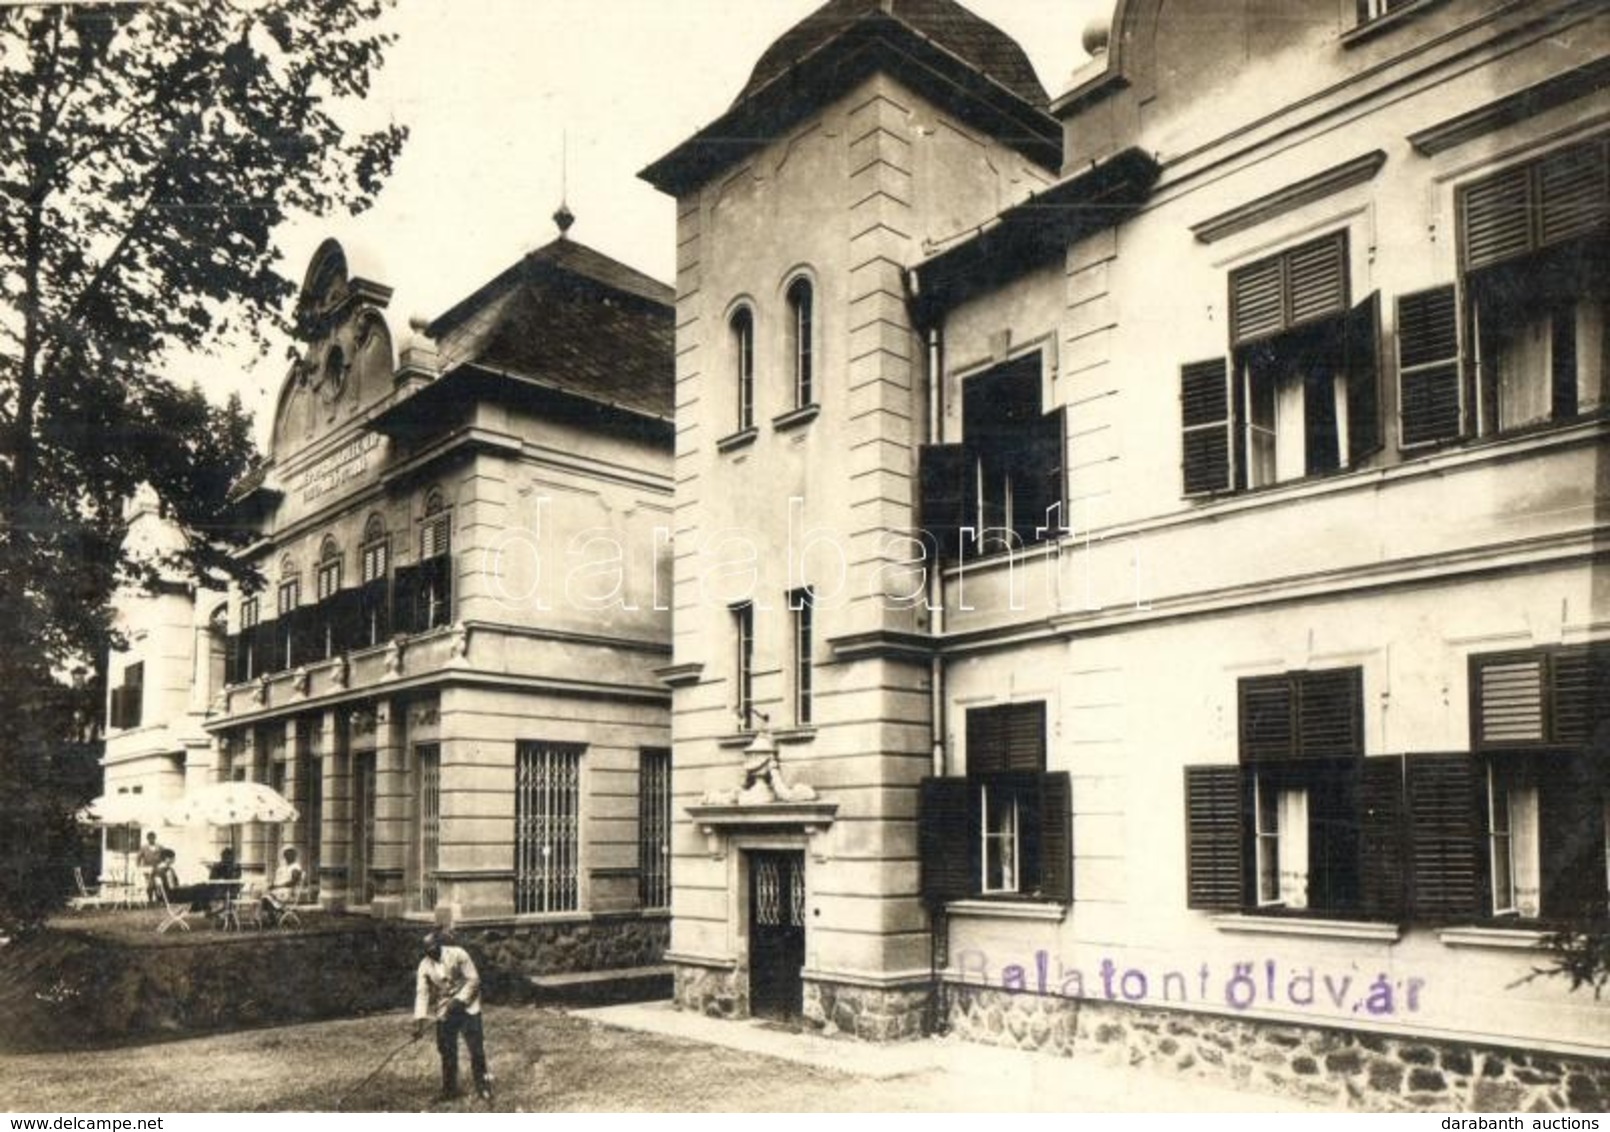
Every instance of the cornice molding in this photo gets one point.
(1290, 198)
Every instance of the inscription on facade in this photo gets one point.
(342, 466)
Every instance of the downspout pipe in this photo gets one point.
(934, 574)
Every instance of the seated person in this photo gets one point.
(280, 894)
(164, 875)
(211, 897)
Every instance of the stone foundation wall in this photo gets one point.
(1344, 1068)
(718, 992)
(514, 951)
(876, 1014)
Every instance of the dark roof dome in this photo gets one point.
(969, 37)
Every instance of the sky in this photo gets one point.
(514, 104)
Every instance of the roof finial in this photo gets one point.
(563, 216)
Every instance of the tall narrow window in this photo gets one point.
(429, 826)
(374, 563)
(801, 315)
(654, 828)
(288, 638)
(547, 827)
(435, 566)
(743, 632)
(742, 327)
(802, 607)
(246, 647)
(328, 585)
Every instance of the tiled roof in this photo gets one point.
(575, 320)
(964, 34)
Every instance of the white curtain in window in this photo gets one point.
(1525, 381)
(1292, 815)
(1523, 824)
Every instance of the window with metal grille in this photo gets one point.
(428, 821)
(801, 317)
(654, 828)
(743, 632)
(1534, 242)
(802, 611)
(741, 329)
(547, 827)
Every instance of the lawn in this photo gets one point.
(542, 1059)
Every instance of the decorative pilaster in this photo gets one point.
(391, 805)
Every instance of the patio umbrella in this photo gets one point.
(231, 803)
(124, 809)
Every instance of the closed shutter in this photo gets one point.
(1317, 278)
(1207, 426)
(1444, 835)
(947, 839)
(1257, 301)
(1363, 360)
(1330, 708)
(1009, 739)
(1381, 840)
(1509, 705)
(1213, 838)
(1579, 695)
(1266, 710)
(1428, 366)
(1574, 194)
(1496, 215)
(943, 478)
(404, 600)
(1302, 285)
(232, 658)
(1056, 837)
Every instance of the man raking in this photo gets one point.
(448, 990)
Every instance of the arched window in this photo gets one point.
(290, 591)
(742, 326)
(329, 581)
(801, 343)
(374, 552)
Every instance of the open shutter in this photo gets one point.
(1267, 715)
(1579, 696)
(947, 839)
(943, 477)
(1444, 835)
(346, 620)
(1056, 837)
(232, 658)
(1363, 360)
(1572, 839)
(1381, 838)
(306, 642)
(1038, 469)
(1213, 838)
(404, 600)
(1428, 366)
(374, 609)
(1330, 713)
(1207, 425)
(269, 658)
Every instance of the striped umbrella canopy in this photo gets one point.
(231, 803)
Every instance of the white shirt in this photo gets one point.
(440, 981)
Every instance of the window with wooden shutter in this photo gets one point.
(405, 599)
(1553, 696)
(1056, 837)
(1362, 362)
(1444, 830)
(1301, 285)
(1266, 716)
(1019, 832)
(1208, 427)
(1382, 830)
(1315, 714)
(1430, 405)
(1006, 739)
(1214, 831)
(1554, 199)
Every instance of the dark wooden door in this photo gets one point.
(776, 933)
